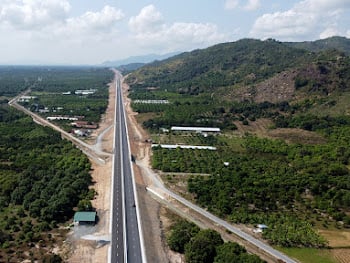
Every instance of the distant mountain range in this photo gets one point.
(339, 43)
(138, 60)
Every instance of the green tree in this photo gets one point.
(181, 234)
(202, 247)
(85, 205)
(233, 253)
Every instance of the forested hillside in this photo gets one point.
(283, 154)
(246, 61)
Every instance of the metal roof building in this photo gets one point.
(194, 147)
(84, 217)
(195, 129)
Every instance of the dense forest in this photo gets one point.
(42, 179)
(293, 184)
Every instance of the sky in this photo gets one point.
(75, 32)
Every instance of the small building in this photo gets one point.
(85, 91)
(81, 133)
(84, 125)
(84, 218)
(60, 118)
(260, 228)
(151, 101)
(26, 98)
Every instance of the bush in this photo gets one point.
(181, 234)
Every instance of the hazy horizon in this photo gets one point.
(67, 32)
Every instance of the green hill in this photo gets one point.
(246, 61)
(339, 43)
(246, 71)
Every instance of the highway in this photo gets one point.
(126, 240)
(126, 235)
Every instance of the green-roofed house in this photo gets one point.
(84, 218)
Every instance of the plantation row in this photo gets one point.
(42, 177)
(269, 176)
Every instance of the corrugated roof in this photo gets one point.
(195, 147)
(199, 129)
(84, 216)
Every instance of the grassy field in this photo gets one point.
(310, 255)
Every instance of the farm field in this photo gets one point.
(311, 255)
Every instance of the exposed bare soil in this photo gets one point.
(262, 128)
(276, 89)
(337, 238)
(341, 255)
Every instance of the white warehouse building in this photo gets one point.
(195, 129)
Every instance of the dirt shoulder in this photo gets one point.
(83, 247)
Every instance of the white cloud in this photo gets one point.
(26, 14)
(55, 36)
(101, 21)
(252, 5)
(322, 5)
(149, 19)
(306, 19)
(151, 31)
(329, 32)
(231, 4)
